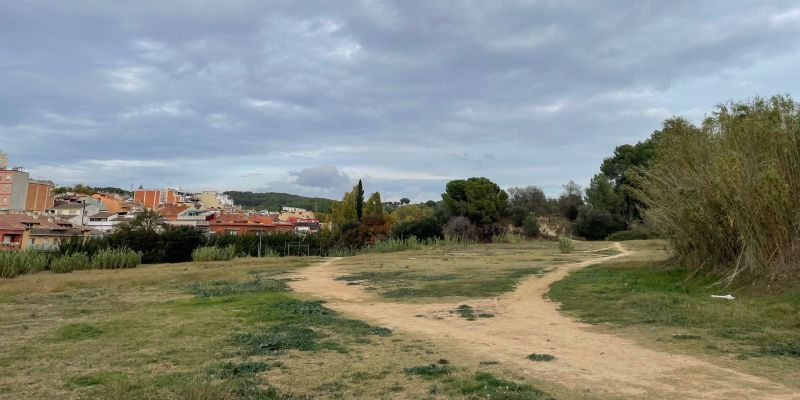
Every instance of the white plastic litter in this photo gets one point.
(725, 297)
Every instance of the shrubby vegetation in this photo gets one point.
(727, 193)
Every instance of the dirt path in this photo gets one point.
(525, 322)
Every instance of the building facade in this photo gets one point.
(40, 195)
(13, 189)
(22, 231)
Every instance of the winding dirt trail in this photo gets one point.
(525, 322)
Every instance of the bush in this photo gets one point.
(13, 263)
(461, 228)
(530, 226)
(423, 229)
(594, 224)
(635, 233)
(180, 242)
(70, 262)
(565, 244)
(116, 258)
(213, 253)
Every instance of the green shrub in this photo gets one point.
(565, 244)
(530, 226)
(70, 262)
(596, 224)
(213, 253)
(13, 263)
(116, 258)
(426, 228)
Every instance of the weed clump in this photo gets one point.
(466, 311)
(381, 331)
(430, 371)
(487, 386)
(565, 245)
(233, 370)
(541, 357)
(285, 336)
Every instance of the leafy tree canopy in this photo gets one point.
(478, 199)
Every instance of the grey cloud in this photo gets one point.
(322, 177)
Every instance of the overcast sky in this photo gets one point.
(307, 96)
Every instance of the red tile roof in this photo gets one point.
(21, 221)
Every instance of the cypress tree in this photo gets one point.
(360, 200)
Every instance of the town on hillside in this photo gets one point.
(33, 216)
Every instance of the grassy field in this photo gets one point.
(213, 330)
(648, 298)
(458, 271)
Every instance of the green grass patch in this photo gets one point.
(233, 370)
(227, 288)
(481, 385)
(658, 296)
(487, 386)
(98, 378)
(78, 331)
(404, 285)
(430, 371)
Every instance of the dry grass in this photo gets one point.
(69, 336)
(476, 271)
(141, 334)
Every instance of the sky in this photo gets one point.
(307, 97)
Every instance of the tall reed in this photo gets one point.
(727, 194)
(70, 262)
(116, 258)
(213, 253)
(18, 262)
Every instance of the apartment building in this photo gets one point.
(13, 189)
(40, 195)
(18, 192)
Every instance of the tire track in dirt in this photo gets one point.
(525, 322)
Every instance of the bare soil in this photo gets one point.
(526, 322)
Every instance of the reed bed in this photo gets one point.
(214, 253)
(727, 194)
(116, 258)
(13, 263)
(70, 262)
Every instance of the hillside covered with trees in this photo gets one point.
(274, 201)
